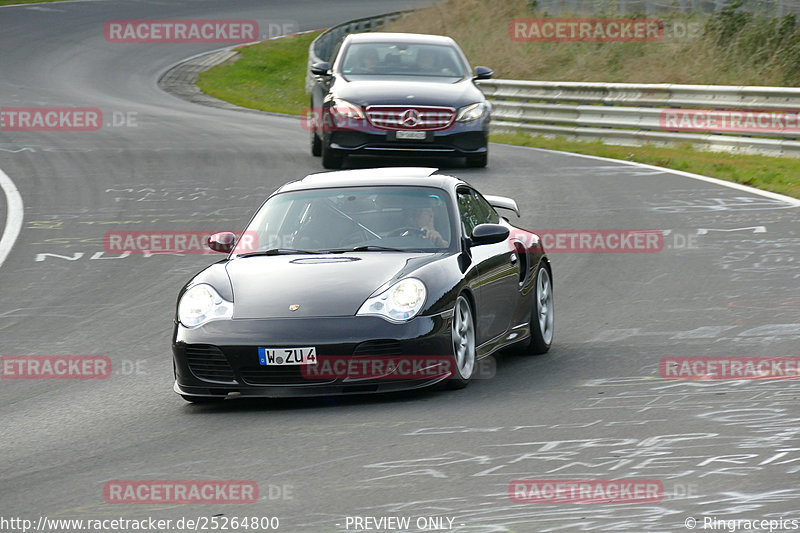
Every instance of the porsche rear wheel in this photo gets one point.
(463, 340)
(542, 314)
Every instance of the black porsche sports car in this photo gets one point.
(359, 281)
(399, 94)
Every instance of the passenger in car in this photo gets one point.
(368, 60)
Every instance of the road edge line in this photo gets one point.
(14, 216)
(716, 181)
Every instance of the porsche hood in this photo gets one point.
(286, 286)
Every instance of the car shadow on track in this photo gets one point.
(442, 163)
(511, 372)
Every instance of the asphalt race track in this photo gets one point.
(726, 283)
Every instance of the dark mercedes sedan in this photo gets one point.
(398, 94)
(361, 281)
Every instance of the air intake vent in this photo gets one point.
(382, 347)
(209, 363)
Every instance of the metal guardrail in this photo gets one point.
(631, 114)
(615, 113)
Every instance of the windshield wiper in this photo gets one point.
(374, 247)
(291, 251)
(278, 251)
(364, 248)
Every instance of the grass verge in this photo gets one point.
(270, 76)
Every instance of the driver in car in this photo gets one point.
(423, 219)
(428, 62)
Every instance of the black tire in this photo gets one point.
(331, 159)
(462, 332)
(542, 314)
(316, 143)
(477, 161)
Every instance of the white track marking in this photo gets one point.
(715, 181)
(13, 217)
(29, 6)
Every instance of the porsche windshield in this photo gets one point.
(398, 59)
(344, 219)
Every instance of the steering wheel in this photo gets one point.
(405, 231)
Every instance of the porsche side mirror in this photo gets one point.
(483, 73)
(222, 242)
(321, 68)
(489, 234)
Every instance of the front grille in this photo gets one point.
(208, 363)
(382, 347)
(410, 118)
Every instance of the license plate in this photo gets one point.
(411, 135)
(287, 356)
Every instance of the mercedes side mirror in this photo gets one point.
(321, 68)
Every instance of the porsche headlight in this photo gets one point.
(345, 109)
(400, 302)
(202, 304)
(471, 112)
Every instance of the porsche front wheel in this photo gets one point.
(463, 340)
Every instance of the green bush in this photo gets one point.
(756, 42)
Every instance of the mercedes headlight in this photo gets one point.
(471, 112)
(400, 302)
(202, 304)
(347, 110)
